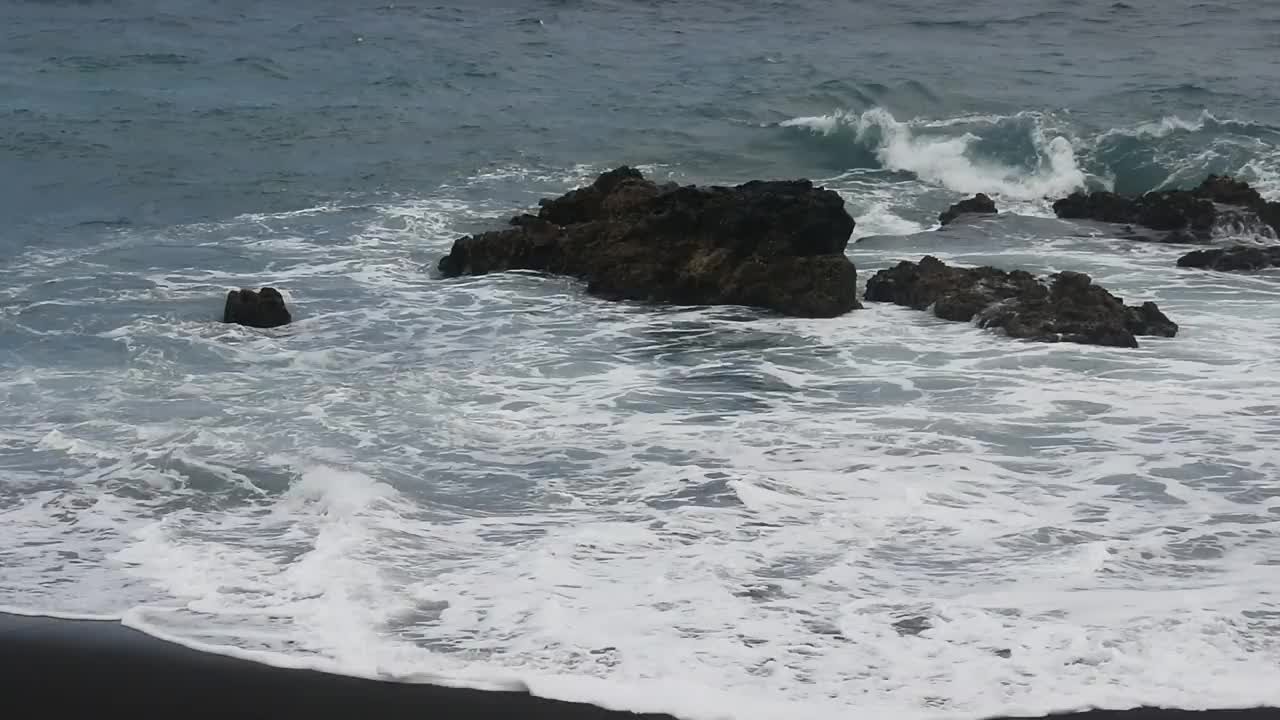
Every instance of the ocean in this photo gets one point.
(502, 481)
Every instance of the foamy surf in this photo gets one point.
(505, 482)
(502, 482)
(949, 158)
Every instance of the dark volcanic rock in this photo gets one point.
(959, 293)
(1173, 210)
(1238, 257)
(1269, 213)
(1064, 307)
(777, 245)
(1228, 191)
(1187, 216)
(979, 204)
(1076, 310)
(262, 309)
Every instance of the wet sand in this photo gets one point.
(80, 668)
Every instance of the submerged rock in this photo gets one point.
(1237, 257)
(1065, 307)
(1183, 216)
(979, 204)
(262, 309)
(912, 625)
(777, 245)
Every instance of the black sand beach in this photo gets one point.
(67, 668)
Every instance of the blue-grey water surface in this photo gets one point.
(713, 512)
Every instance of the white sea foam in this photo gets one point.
(826, 124)
(1263, 173)
(502, 482)
(1168, 125)
(1172, 124)
(949, 159)
(28, 612)
(878, 207)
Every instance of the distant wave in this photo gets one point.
(1171, 124)
(1031, 154)
(1175, 151)
(950, 152)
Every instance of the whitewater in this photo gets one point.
(503, 482)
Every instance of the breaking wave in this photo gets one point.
(1033, 155)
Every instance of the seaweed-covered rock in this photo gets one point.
(979, 204)
(1187, 216)
(777, 245)
(1065, 307)
(262, 309)
(1237, 257)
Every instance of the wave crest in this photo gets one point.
(1033, 155)
(1178, 152)
(1045, 164)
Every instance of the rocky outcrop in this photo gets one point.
(1185, 216)
(1065, 307)
(776, 245)
(979, 204)
(262, 309)
(1228, 191)
(1238, 257)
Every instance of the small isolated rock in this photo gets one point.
(262, 309)
(979, 204)
(1238, 257)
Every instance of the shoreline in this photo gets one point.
(65, 666)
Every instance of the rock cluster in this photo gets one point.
(1187, 216)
